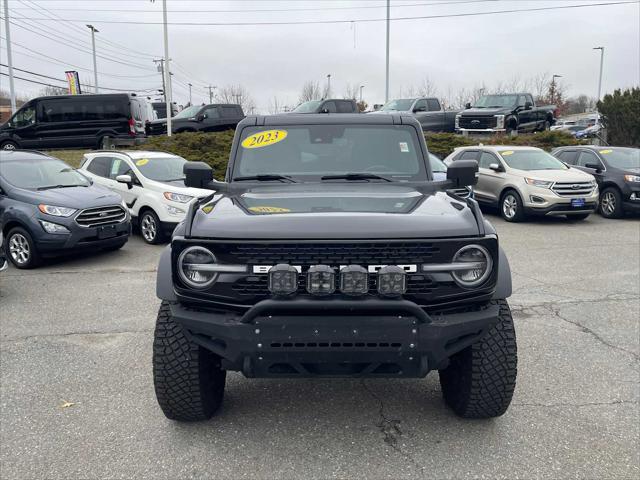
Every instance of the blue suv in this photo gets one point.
(47, 208)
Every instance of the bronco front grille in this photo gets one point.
(384, 253)
(570, 189)
(99, 216)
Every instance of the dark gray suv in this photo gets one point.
(47, 208)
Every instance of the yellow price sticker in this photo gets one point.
(142, 161)
(207, 208)
(507, 153)
(264, 139)
(269, 210)
(606, 151)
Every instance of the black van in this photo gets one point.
(70, 121)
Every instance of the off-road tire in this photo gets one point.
(479, 381)
(188, 381)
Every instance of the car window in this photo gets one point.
(522, 100)
(312, 151)
(119, 166)
(401, 105)
(41, 172)
(161, 169)
(530, 159)
(211, 112)
(188, 112)
(487, 159)
(229, 112)
(24, 117)
(433, 104)
(100, 166)
(345, 107)
(307, 107)
(437, 165)
(468, 155)
(329, 107)
(588, 158)
(568, 156)
(421, 105)
(621, 157)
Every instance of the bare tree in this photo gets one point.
(351, 91)
(275, 105)
(237, 94)
(50, 91)
(540, 84)
(462, 96)
(310, 91)
(427, 88)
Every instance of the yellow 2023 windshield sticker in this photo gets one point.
(606, 151)
(269, 210)
(142, 161)
(507, 153)
(264, 139)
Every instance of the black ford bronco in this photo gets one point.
(330, 251)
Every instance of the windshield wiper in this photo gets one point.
(355, 176)
(265, 178)
(49, 187)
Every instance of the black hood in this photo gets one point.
(489, 112)
(73, 197)
(333, 211)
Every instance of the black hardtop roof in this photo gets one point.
(87, 96)
(329, 119)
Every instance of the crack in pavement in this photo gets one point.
(84, 272)
(390, 429)
(543, 283)
(576, 405)
(54, 335)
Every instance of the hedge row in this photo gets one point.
(214, 148)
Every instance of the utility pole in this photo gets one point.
(161, 70)
(595, 48)
(167, 68)
(190, 85)
(329, 85)
(386, 90)
(12, 89)
(94, 30)
(211, 93)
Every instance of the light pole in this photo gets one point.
(94, 30)
(12, 90)
(328, 85)
(601, 64)
(386, 90)
(167, 69)
(553, 87)
(190, 85)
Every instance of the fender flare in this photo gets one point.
(164, 278)
(503, 284)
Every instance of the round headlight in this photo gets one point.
(192, 265)
(480, 264)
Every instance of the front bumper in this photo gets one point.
(543, 201)
(631, 202)
(307, 337)
(79, 238)
(490, 131)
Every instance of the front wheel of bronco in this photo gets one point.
(188, 380)
(479, 381)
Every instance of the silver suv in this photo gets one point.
(525, 181)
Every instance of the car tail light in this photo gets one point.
(132, 127)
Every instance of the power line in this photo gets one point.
(362, 20)
(31, 81)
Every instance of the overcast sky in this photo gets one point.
(275, 60)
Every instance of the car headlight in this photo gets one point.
(499, 121)
(56, 211)
(472, 264)
(198, 267)
(632, 178)
(538, 183)
(51, 227)
(177, 197)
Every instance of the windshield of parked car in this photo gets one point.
(189, 112)
(308, 152)
(161, 169)
(41, 172)
(307, 107)
(496, 101)
(400, 105)
(531, 160)
(437, 165)
(622, 158)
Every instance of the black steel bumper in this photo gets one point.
(334, 337)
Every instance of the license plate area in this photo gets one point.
(108, 231)
(577, 202)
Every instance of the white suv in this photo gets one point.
(151, 184)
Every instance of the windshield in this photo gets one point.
(622, 158)
(496, 101)
(39, 172)
(437, 165)
(307, 107)
(161, 169)
(531, 160)
(189, 112)
(308, 152)
(401, 105)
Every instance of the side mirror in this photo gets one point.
(419, 109)
(593, 166)
(125, 179)
(324, 110)
(463, 173)
(197, 174)
(467, 105)
(528, 105)
(495, 167)
(201, 117)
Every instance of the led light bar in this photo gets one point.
(283, 279)
(354, 280)
(392, 281)
(321, 280)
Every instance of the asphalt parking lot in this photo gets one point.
(79, 331)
